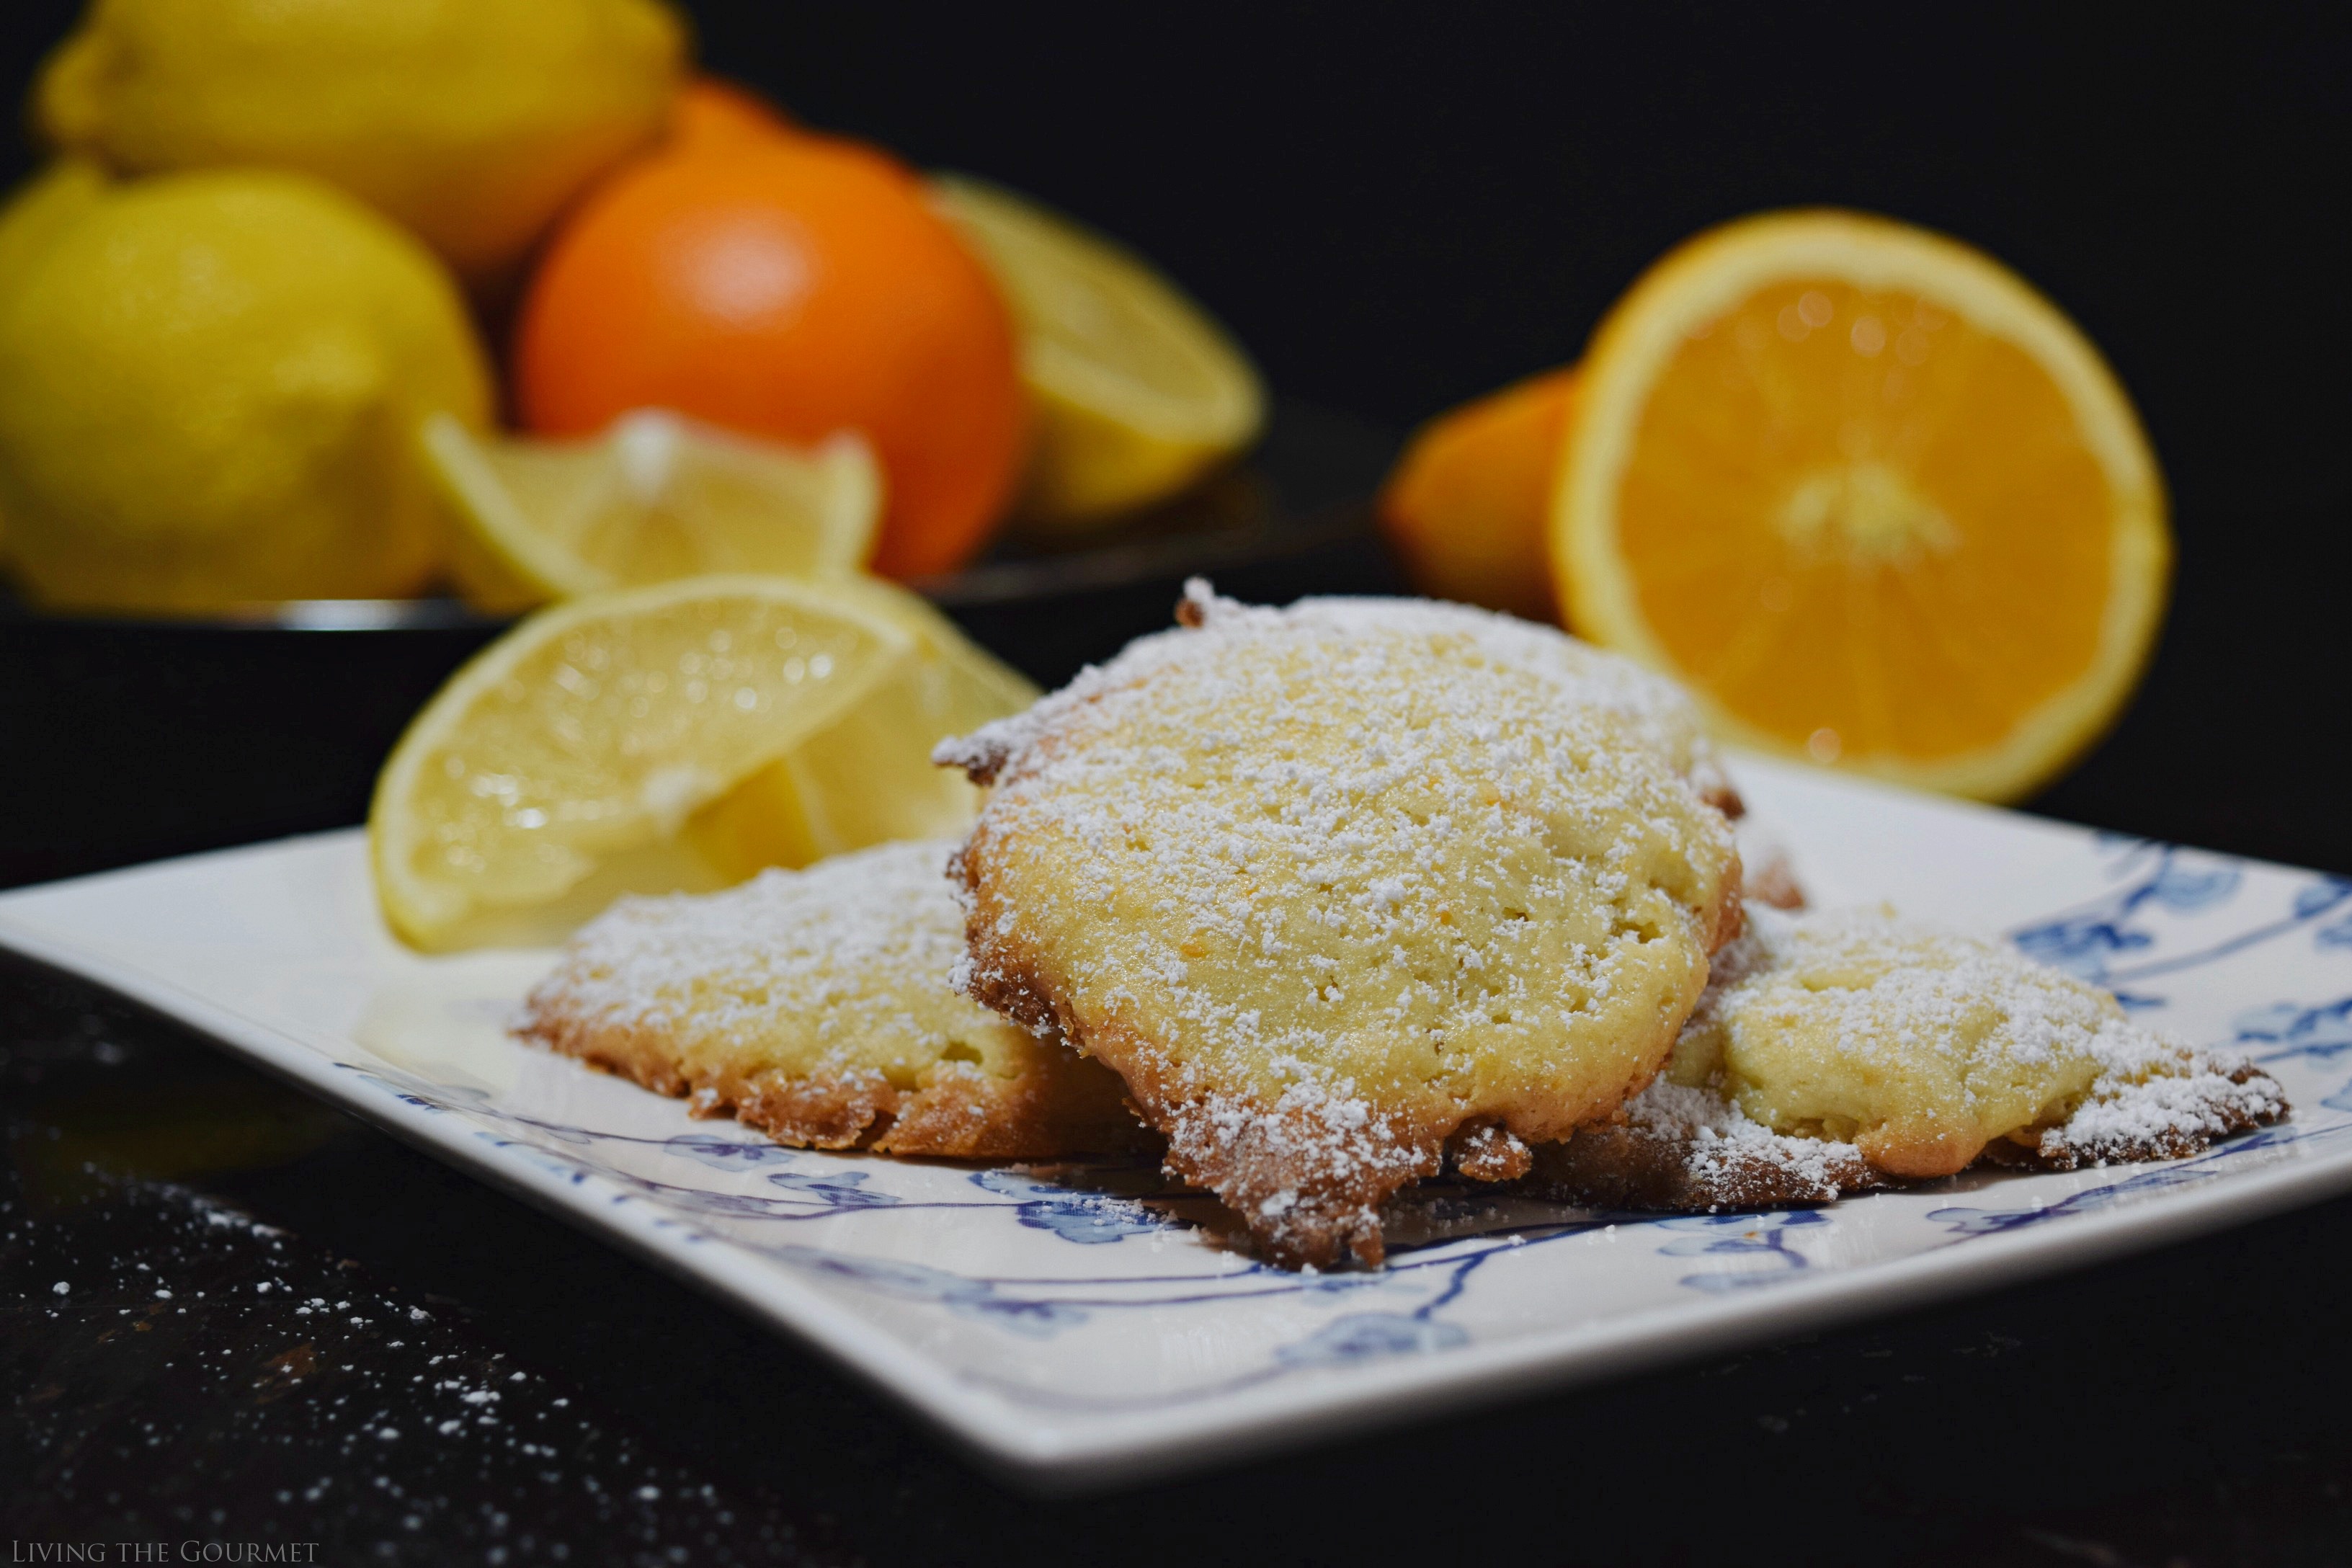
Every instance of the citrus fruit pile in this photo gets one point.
(210, 387)
(1875, 499)
(756, 371)
(253, 279)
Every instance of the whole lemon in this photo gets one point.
(44, 208)
(37, 212)
(211, 386)
(472, 122)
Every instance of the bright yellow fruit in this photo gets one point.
(210, 391)
(39, 211)
(868, 778)
(560, 765)
(1872, 496)
(472, 122)
(1468, 505)
(653, 498)
(44, 208)
(674, 737)
(1137, 391)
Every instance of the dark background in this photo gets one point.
(1395, 208)
(1400, 207)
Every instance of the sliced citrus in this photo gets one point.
(867, 777)
(1137, 389)
(1876, 500)
(561, 765)
(655, 496)
(1468, 505)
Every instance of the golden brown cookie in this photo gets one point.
(816, 1007)
(1834, 1053)
(1335, 887)
(1921, 1048)
(1691, 1151)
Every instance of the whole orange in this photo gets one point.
(710, 110)
(789, 288)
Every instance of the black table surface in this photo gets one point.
(231, 1317)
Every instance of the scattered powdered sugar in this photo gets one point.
(1857, 1019)
(1312, 1166)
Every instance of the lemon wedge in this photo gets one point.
(655, 496)
(1136, 390)
(679, 737)
(867, 777)
(562, 764)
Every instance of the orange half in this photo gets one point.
(1874, 499)
(1466, 507)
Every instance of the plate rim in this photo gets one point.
(1040, 1454)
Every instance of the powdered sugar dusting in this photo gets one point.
(807, 945)
(1685, 1150)
(2176, 1105)
(1326, 883)
(816, 1007)
(1659, 713)
(1924, 1046)
(1724, 1150)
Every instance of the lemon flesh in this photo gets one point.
(472, 122)
(561, 766)
(1137, 389)
(210, 391)
(867, 777)
(656, 497)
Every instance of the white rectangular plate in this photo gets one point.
(1081, 1328)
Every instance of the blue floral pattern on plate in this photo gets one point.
(1057, 1315)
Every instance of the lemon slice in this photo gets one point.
(1874, 499)
(656, 497)
(1136, 390)
(563, 764)
(867, 777)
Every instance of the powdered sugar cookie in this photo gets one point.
(1691, 1151)
(1834, 1039)
(816, 1007)
(1336, 887)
